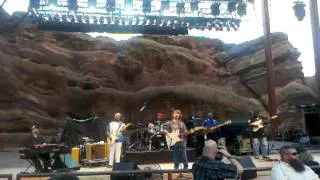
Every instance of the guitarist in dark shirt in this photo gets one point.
(259, 139)
(35, 139)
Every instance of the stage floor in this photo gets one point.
(10, 163)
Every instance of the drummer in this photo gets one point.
(156, 126)
(156, 132)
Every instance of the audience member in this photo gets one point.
(208, 168)
(290, 167)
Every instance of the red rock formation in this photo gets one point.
(46, 76)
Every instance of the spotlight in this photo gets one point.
(108, 20)
(110, 5)
(34, 4)
(92, 3)
(73, 5)
(194, 5)
(215, 9)
(116, 21)
(232, 6)
(64, 18)
(242, 9)
(164, 5)
(123, 21)
(146, 6)
(101, 20)
(72, 19)
(299, 10)
(87, 19)
(79, 19)
(180, 8)
(56, 17)
(137, 20)
(95, 20)
(130, 21)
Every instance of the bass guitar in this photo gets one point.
(211, 129)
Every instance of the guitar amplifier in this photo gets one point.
(245, 146)
(97, 151)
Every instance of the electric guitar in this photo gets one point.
(256, 125)
(174, 137)
(115, 136)
(211, 129)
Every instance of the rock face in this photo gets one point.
(46, 76)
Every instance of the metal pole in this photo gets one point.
(272, 107)
(314, 16)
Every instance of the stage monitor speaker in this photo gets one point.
(66, 161)
(126, 167)
(246, 162)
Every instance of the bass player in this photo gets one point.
(115, 138)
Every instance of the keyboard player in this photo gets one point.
(34, 139)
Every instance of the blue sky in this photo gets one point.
(282, 20)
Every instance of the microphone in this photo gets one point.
(143, 106)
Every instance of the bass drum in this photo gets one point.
(158, 142)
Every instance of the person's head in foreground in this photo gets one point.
(289, 155)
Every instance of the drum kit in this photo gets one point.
(151, 138)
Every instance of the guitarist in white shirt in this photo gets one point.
(179, 149)
(116, 147)
(259, 138)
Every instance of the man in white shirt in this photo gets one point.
(116, 147)
(290, 168)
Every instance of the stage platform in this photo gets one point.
(10, 163)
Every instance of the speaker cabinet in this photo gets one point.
(246, 162)
(126, 167)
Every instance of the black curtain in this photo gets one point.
(94, 128)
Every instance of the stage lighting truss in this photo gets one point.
(213, 15)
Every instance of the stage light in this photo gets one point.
(232, 6)
(110, 5)
(95, 20)
(194, 5)
(101, 20)
(116, 21)
(34, 4)
(215, 8)
(299, 10)
(64, 18)
(146, 6)
(137, 20)
(130, 21)
(72, 19)
(79, 19)
(242, 9)
(92, 3)
(56, 17)
(87, 19)
(73, 5)
(165, 5)
(108, 20)
(180, 8)
(123, 21)
(52, 2)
